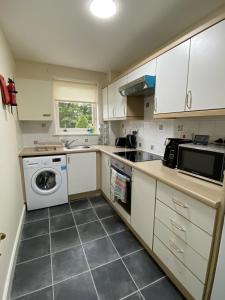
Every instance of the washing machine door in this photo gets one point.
(46, 181)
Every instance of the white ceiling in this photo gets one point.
(64, 32)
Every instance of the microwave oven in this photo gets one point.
(202, 161)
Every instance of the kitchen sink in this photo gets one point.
(78, 147)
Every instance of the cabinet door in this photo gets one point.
(35, 100)
(143, 206)
(147, 69)
(171, 79)
(120, 101)
(111, 100)
(105, 175)
(81, 172)
(206, 80)
(105, 104)
(116, 103)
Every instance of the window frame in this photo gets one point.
(73, 131)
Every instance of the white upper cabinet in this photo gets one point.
(105, 104)
(35, 101)
(206, 80)
(147, 69)
(171, 79)
(116, 102)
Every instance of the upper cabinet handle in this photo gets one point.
(155, 108)
(46, 115)
(189, 99)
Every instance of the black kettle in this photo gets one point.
(131, 141)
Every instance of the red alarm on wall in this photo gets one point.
(12, 92)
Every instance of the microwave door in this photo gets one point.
(201, 163)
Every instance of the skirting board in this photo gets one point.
(12, 264)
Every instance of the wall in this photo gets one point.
(45, 132)
(153, 133)
(11, 199)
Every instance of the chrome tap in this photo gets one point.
(68, 143)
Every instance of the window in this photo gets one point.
(75, 106)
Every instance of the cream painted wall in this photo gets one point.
(36, 130)
(11, 199)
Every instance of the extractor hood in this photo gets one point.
(143, 86)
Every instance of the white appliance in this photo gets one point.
(45, 181)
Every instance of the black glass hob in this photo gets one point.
(138, 156)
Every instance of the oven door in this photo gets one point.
(124, 202)
(201, 163)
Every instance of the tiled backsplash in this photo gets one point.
(44, 132)
(152, 134)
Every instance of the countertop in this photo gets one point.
(206, 192)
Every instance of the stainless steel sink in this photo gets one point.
(78, 147)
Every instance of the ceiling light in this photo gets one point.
(103, 8)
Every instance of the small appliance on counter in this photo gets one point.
(203, 161)
(120, 142)
(130, 141)
(171, 151)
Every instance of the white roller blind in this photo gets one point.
(73, 91)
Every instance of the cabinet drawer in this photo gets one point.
(187, 231)
(186, 278)
(193, 210)
(195, 262)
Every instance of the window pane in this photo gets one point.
(75, 115)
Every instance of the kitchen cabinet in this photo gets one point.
(147, 69)
(116, 102)
(105, 104)
(143, 206)
(81, 172)
(35, 102)
(206, 89)
(171, 79)
(105, 175)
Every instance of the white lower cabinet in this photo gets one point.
(186, 278)
(143, 206)
(105, 175)
(81, 172)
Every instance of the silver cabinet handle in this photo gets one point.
(155, 108)
(68, 159)
(189, 100)
(179, 227)
(175, 247)
(46, 115)
(183, 205)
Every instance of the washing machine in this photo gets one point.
(45, 181)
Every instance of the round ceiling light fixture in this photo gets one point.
(103, 8)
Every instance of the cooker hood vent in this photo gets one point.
(143, 86)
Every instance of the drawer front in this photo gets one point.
(195, 262)
(192, 209)
(186, 278)
(187, 231)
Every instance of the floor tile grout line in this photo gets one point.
(154, 282)
(122, 260)
(30, 260)
(33, 221)
(35, 291)
(95, 220)
(50, 243)
(86, 259)
(71, 277)
(131, 294)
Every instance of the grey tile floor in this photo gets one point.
(83, 251)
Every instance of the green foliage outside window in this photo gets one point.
(75, 115)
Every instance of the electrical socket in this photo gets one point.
(180, 127)
(86, 140)
(139, 144)
(151, 147)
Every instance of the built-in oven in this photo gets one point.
(205, 162)
(121, 184)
